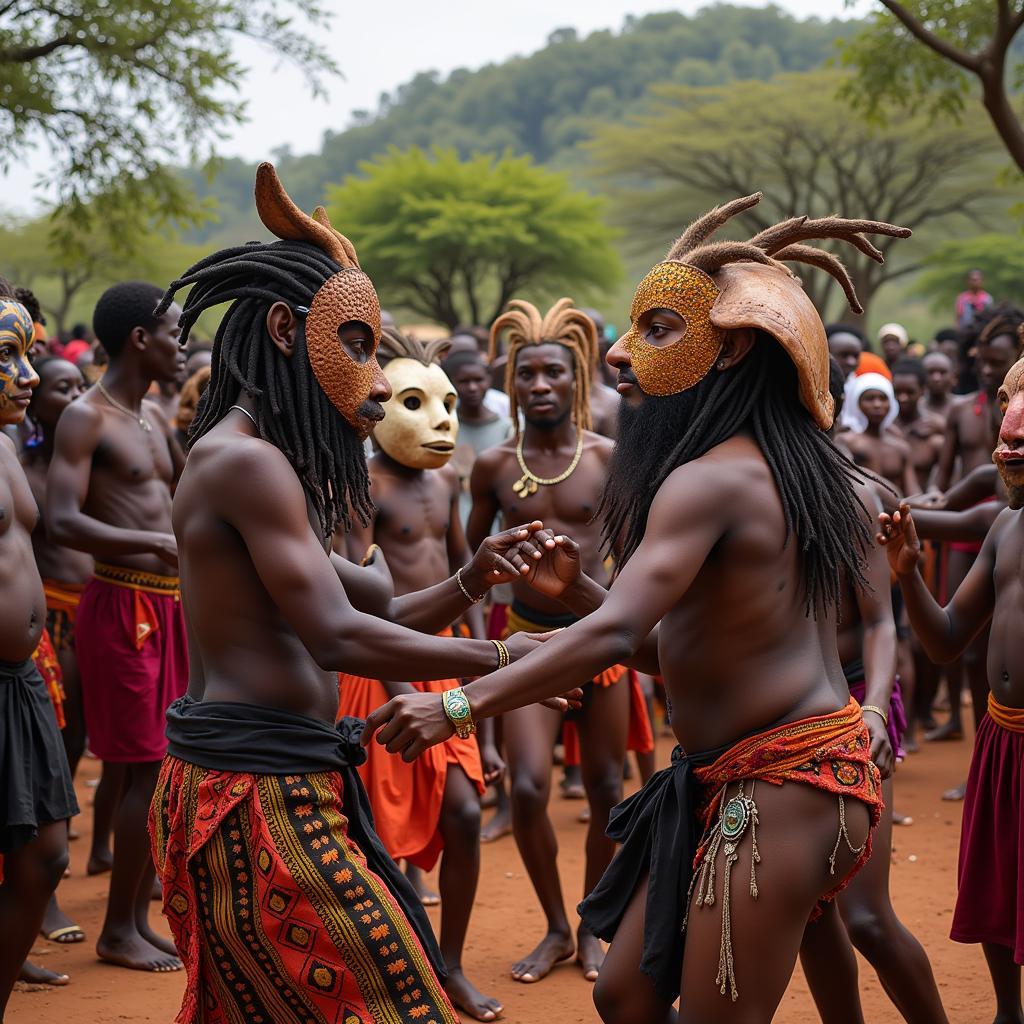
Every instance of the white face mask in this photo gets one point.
(420, 425)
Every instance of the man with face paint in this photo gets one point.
(988, 906)
(108, 495)
(277, 889)
(554, 470)
(37, 797)
(433, 803)
(721, 483)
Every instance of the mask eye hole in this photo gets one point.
(412, 403)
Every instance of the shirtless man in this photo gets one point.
(992, 595)
(553, 471)
(109, 495)
(867, 650)
(38, 795)
(872, 443)
(940, 379)
(924, 431)
(276, 463)
(971, 432)
(604, 402)
(434, 803)
(724, 419)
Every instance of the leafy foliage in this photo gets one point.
(699, 147)
(999, 257)
(455, 239)
(119, 89)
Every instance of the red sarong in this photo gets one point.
(406, 797)
(829, 752)
(273, 909)
(47, 665)
(133, 658)
(990, 874)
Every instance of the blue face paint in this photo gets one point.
(17, 378)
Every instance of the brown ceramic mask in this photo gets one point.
(348, 295)
(691, 293)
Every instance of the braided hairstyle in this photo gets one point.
(563, 325)
(760, 396)
(292, 411)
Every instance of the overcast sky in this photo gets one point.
(382, 43)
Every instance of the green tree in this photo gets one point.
(454, 239)
(925, 53)
(699, 147)
(999, 257)
(117, 89)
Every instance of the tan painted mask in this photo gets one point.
(347, 296)
(1009, 454)
(420, 424)
(690, 293)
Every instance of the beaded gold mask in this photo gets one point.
(348, 295)
(691, 293)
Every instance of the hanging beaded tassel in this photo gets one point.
(844, 834)
(735, 816)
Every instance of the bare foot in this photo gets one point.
(500, 825)
(58, 927)
(956, 793)
(133, 951)
(427, 896)
(155, 939)
(950, 731)
(100, 862)
(590, 953)
(33, 974)
(465, 996)
(553, 949)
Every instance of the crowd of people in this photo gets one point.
(395, 580)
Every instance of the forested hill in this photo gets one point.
(546, 103)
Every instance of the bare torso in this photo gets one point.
(972, 431)
(887, 456)
(1005, 665)
(925, 436)
(54, 561)
(21, 590)
(567, 507)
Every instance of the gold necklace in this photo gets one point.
(528, 483)
(141, 420)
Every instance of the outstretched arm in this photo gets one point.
(945, 633)
(971, 525)
(686, 520)
(67, 485)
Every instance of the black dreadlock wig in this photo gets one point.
(292, 411)
(759, 396)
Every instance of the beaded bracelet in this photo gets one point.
(504, 659)
(462, 586)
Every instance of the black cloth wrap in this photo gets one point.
(35, 781)
(547, 619)
(659, 830)
(252, 739)
(854, 671)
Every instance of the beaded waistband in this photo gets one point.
(136, 579)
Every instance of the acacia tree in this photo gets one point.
(925, 53)
(699, 147)
(454, 240)
(119, 89)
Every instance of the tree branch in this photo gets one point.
(934, 42)
(25, 54)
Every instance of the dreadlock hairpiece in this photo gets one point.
(1004, 318)
(292, 411)
(396, 345)
(563, 325)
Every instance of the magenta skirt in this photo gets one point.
(897, 724)
(990, 877)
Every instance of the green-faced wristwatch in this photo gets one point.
(460, 714)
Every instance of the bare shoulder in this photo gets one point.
(241, 472)
(490, 460)
(599, 444)
(450, 477)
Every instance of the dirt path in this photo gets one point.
(508, 922)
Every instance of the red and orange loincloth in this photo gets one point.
(406, 797)
(133, 658)
(640, 736)
(990, 875)
(660, 828)
(62, 600)
(283, 906)
(47, 665)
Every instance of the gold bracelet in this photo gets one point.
(462, 586)
(370, 552)
(459, 712)
(878, 711)
(504, 659)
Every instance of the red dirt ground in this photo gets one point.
(508, 921)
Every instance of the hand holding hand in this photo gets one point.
(898, 535)
(494, 562)
(550, 562)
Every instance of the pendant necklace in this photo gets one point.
(528, 483)
(138, 417)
